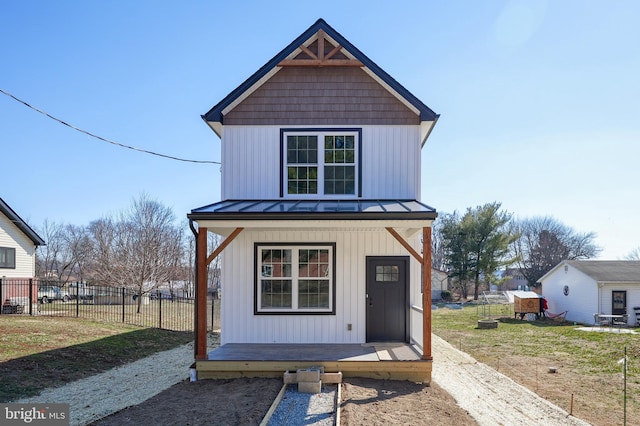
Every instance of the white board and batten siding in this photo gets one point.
(390, 162)
(581, 301)
(11, 236)
(352, 248)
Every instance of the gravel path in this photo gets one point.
(489, 396)
(98, 396)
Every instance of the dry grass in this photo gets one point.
(41, 352)
(587, 362)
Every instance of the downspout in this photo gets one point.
(195, 311)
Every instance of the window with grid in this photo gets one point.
(295, 279)
(323, 163)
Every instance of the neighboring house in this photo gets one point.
(320, 210)
(587, 287)
(439, 283)
(18, 244)
(514, 280)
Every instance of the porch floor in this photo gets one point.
(397, 361)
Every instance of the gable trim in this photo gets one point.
(216, 114)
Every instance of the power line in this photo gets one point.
(104, 139)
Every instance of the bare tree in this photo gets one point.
(78, 245)
(633, 254)
(141, 249)
(54, 261)
(544, 242)
(438, 254)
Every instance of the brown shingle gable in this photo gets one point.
(321, 96)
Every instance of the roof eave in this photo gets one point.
(305, 216)
(21, 224)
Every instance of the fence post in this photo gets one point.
(77, 299)
(31, 296)
(1, 299)
(160, 311)
(122, 304)
(213, 311)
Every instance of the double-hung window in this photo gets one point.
(7, 257)
(321, 163)
(295, 278)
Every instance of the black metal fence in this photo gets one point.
(155, 308)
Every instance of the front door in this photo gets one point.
(618, 302)
(387, 299)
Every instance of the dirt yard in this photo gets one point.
(246, 401)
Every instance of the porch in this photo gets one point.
(394, 361)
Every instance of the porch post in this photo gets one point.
(201, 296)
(426, 293)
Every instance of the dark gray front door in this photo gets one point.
(618, 302)
(387, 299)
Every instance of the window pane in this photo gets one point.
(276, 263)
(329, 157)
(276, 294)
(313, 294)
(339, 180)
(387, 273)
(302, 180)
(328, 142)
(349, 142)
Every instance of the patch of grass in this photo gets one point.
(587, 361)
(42, 352)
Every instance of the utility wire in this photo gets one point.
(103, 139)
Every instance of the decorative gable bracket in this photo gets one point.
(314, 55)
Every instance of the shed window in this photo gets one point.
(7, 258)
(295, 279)
(321, 163)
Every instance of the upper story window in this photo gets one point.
(321, 162)
(7, 257)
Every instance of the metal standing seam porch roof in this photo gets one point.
(315, 210)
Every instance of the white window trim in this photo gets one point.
(8, 251)
(321, 164)
(294, 278)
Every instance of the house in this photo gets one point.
(587, 287)
(514, 280)
(439, 283)
(18, 244)
(321, 216)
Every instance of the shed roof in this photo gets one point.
(609, 270)
(21, 224)
(215, 114)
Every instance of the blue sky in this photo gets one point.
(539, 100)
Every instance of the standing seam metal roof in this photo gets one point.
(316, 209)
